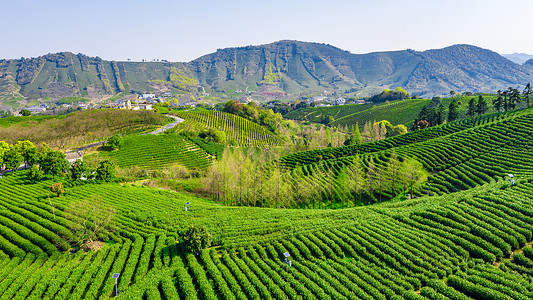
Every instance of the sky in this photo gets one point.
(184, 30)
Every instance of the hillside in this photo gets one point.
(444, 246)
(318, 114)
(78, 128)
(292, 67)
(237, 131)
(273, 71)
(64, 74)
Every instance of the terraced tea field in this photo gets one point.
(158, 151)
(238, 130)
(470, 239)
(384, 251)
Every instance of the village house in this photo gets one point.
(74, 156)
(36, 109)
(146, 96)
(340, 101)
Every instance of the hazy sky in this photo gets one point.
(184, 30)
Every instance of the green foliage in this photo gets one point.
(157, 152)
(77, 170)
(25, 113)
(57, 188)
(396, 112)
(388, 95)
(182, 79)
(28, 151)
(198, 238)
(315, 114)
(237, 129)
(105, 171)
(115, 142)
(270, 77)
(11, 158)
(35, 174)
(53, 162)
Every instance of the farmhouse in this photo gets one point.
(74, 156)
(36, 109)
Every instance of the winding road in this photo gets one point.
(167, 127)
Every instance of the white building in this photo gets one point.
(36, 109)
(146, 96)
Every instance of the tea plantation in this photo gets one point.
(471, 239)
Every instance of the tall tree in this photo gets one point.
(498, 101)
(28, 151)
(412, 173)
(514, 98)
(356, 136)
(12, 158)
(453, 114)
(481, 106)
(392, 171)
(4, 147)
(526, 94)
(53, 163)
(471, 107)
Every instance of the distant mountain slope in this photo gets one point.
(65, 74)
(292, 67)
(519, 58)
(278, 70)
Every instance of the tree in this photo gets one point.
(105, 171)
(53, 163)
(4, 147)
(35, 174)
(526, 94)
(498, 101)
(481, 106)
(115, 142)
(453, 114)
(197, 238)
(412, 173)
(90, 220)
(514, 97)
(28, 151)
(12, 158)
(356, 137)
(77, 169)
(452, 93)
(392, 171)
(25, 113)
(57, 188)
(471, 107)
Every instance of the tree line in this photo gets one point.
(253, 177)
(435, 113)
(47, 162)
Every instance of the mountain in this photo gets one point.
(276, 70)
(54, 76)
(519, 58)
(292, 67)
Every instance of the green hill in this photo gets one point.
(158, 151)
(318, 114)
(435, 245)
(467, 236)
(396, 112)
(78, 128)
(238, 131)
(315, 67)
